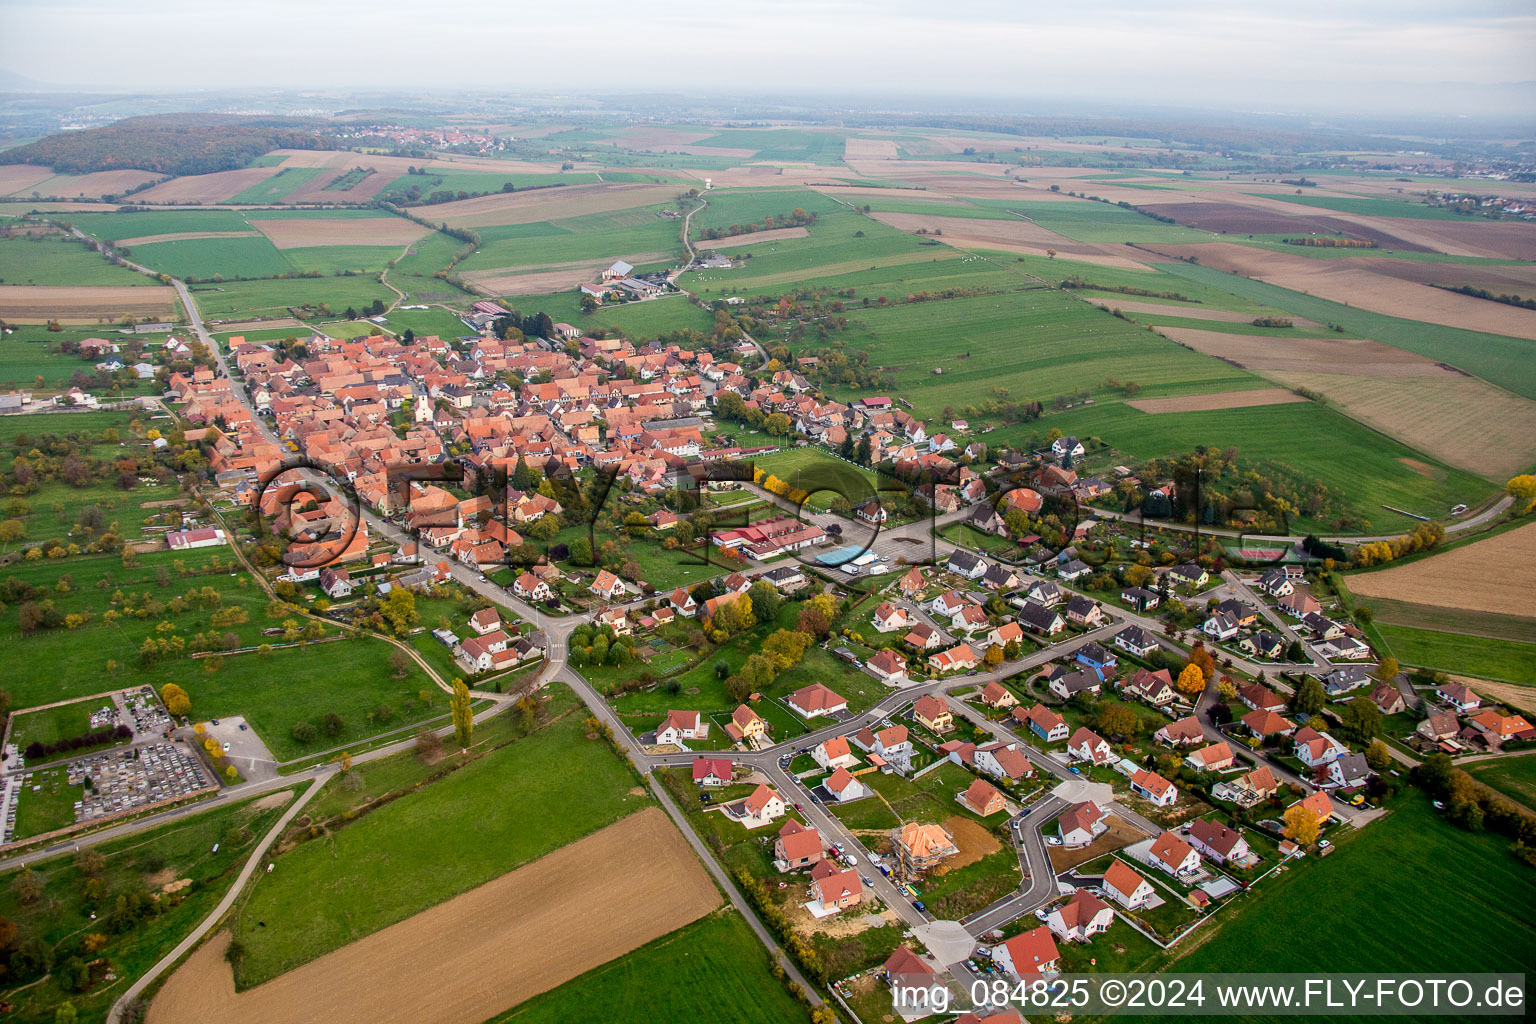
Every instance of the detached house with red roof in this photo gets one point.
(834, 753)
(679, 726)
(531, 588)
(1080, 918)
(842, 786)
(888, 666)
(1126, 886)
(712, 771)
(1153, 788)
(1087, 745)
(761, 807)
(1032, 953)
(607, 586)
(1043, 722)
(815, 699)
(798, 846)
(834, 890)
(1173, 855)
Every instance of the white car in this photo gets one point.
(226, 748)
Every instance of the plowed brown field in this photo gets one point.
(206, 188)
(547, 204)
(466, 960)
(83, 305)
(300, 234)
(1492, 575)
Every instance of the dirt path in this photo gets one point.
(516, 936)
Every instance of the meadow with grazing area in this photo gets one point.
(662, 888)
(1461, 653)
(1493, 921)
(53, 259)
(1366, 469)
(416, 847)
(712, 969)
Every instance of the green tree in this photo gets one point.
(463, 714)
(1361, 719)
(1378, 755)
(399, 610)
(1523, 489)
(765, 601)
(1309, 698)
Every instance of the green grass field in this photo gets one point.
(418, 850)
(1365, 207)
(714, 969)
(273, 189)
(1103, 222)
(1484, 658)
(440, 179)
(595, 237)
(1434, 617)
(1515, 776)
(1364, 466)
(205, 258)
(1374, 888)
(60, 260)
(413, 272)
(30, 352)
(1033, 344)
(54, 724)
(239, 299)
(183, 849)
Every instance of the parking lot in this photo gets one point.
(243, 748)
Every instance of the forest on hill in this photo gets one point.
(175, 144)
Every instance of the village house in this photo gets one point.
(1214, 758)
(530, 588)
(957, 658)
(1080, 918)
(1174, 855)
(1315, 749)
(1181, 732)
(1028, 955)
(842, 786)
(1153, 788)
(835, 890)
(815, 699)
(745, 724)
(607, 586)
(1152, 688)
(1086, 745)
(1264, 724)
(888, 666)
(1135, 640)
(1126, 886)
(1249, 789)
(681, 725)
(997, 696)
(1002, 760)
(1043, 722)
(834, 753)
(759, 808)
(933, 713)
(982, 798)
(712, 771)
(1219, 843)
(486, 620)
(916, 986)
(1081, 824)
(1040, 619)
(798, 846)
(889, 617)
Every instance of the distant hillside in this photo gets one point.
(170, 144)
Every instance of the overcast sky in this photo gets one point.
(1201, 52)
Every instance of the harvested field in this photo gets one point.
(1335, 279)
(95, 184)
(542, 279)
(317, 189)
(1217, 400)
(299, 234)
(1013, 235)
(514, 937)
(1249, 215)
(974, 840)
(1120, 834)
(773, 235)
(1503, 240)
(83, 305)
(396, 165)
(1519, 278)
(206, 188)
(1462, 421)
(1362, 357)
(21, 177)
(183, 236)
(1187, 312)
(656, 137)
(1492, 575)
(546, 204)
(870, 149)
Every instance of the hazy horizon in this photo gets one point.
(1476, 58)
